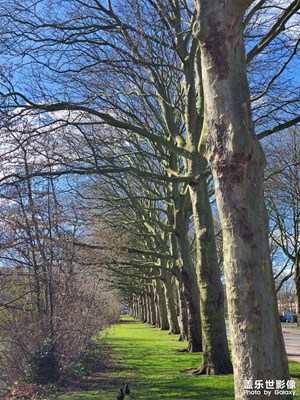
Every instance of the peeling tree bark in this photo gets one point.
(216, 358)
(189, 280)
(152, 306)
(237, 163)
(178, 216)
(144, 308)
(162, 307)
(183, 318)
(170, 299)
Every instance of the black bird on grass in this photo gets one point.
(127, 390)
(121, 396)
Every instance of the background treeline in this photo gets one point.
(54, 295)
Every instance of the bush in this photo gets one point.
(43, 366)
(89, 361)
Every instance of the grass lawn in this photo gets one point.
(148, 359)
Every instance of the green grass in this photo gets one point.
(150, 362)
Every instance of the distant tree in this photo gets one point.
(286, 296)
(283, 202)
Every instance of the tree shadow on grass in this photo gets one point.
(126, 321)
(104, 379)
(169, 389)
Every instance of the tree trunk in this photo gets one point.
(148, 307)
(189, 281)
(144, 308)
(163, 313)
(297, 283)
(158, 315)
(237, 163)
(152, 305)
(216, 358)
(137, 307)
(171, 307)
(183, 318)
(133, 307)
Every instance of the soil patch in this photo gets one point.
(102, 379)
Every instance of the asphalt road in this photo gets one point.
(291, 335)
(292, 342)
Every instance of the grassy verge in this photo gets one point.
(148, 359)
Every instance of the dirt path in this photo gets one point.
(103, 381)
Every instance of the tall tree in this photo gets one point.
(237, 163)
